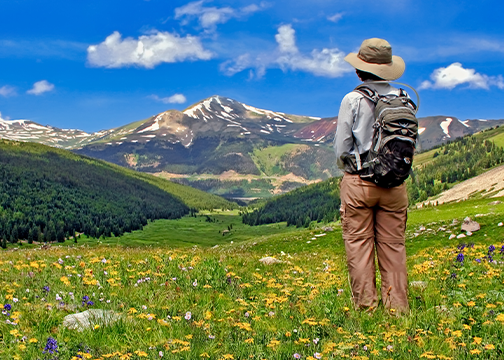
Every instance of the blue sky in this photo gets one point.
(95, 65)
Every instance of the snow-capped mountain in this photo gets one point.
(219, 134)
(26, 130)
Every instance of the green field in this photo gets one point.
(177, 301)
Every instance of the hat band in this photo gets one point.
(375, 58)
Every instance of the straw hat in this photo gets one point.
(375, 56)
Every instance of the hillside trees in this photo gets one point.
(318, 202)
(46, 195)
(456, 161)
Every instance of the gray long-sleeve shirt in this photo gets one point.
(356, 116)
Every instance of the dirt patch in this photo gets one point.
(490, 183)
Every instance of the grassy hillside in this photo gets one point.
(223, 303)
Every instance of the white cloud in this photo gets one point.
(453, 75)
(174, 99)
(41, 87)
(147, 51)
(325, 62)
(209, 17)
(286, 39)
(336, 17)
(7, 91)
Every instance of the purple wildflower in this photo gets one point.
(460, 258)
(478, 260)
(461, 246)
(46, 288)
(296, 356)
(491, 248)
(7, 307)
(51, 346)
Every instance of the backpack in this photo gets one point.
(389, 160)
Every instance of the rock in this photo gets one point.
(452, 236)
(461, 236)
(500, 224)
(87, 319)
(495, 202)
(442, 228)
(422, 228)
(319, 235)
(470, 225)
(454, 222)
(327, 229)
(468, 233)
(416, 234)
(480, 215)
(215, 246)
(268, 260)
(418, 284)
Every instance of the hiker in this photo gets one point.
(372, 216)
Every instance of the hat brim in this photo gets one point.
(391, 71)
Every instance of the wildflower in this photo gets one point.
(460, 258)
(471, 303)
(502, 249)
(478, 260)
(453, 276)
(491, 249)
(477, 340)
(475, 351)
(316, 340)
(390, 348)
(188, 315)
(195, 283)
(211, 337)
(489, 347)
(317, 356)
(249, 341)
(46, 288)
(247, 314)
(104, 261)
(161, 354)
(296, 356)
(51, 346)
(144, 307)
(8, 307)
(365, 348)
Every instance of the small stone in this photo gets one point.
(500, 224)
(268, 260)
(470, 225)
(468, 233)
(87, 319)
(308, 242)
(452, 236)
(495, 202)
(328, 229)
(418, 284)
(460, 236)
(416, 234)
(422, 228)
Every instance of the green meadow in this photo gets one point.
(174, 294)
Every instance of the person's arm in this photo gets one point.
(343, 141)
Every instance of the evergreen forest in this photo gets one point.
(317, 202)
(49, 194)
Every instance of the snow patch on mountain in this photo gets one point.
(445, 124)
(465, 123)
(421, 130)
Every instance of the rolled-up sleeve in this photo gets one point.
(343, 141)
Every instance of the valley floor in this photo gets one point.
(174, 294)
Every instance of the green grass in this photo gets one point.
(269, 158)
(242, 309)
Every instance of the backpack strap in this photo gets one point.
(367, 92)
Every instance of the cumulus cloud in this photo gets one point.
(209, 16)
(336, 17)
(146, 51)
(174, 99)
(41, 87)
(7, 91)
(451, 76)
(326, 62)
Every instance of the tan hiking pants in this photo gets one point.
(371, 217)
